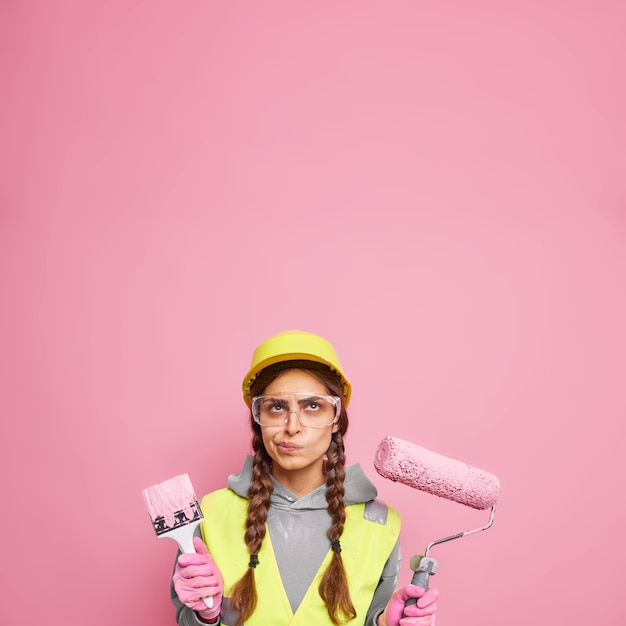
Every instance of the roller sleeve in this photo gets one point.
(417, 467)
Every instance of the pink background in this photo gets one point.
(437, 188)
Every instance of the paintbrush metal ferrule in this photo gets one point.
(179, 518)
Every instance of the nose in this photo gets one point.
(292, 422)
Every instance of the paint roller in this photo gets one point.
(417, 467)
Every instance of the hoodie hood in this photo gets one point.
(358, 488)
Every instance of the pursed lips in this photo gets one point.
(287, 446)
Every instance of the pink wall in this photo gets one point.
(437, 188)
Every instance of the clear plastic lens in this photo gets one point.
(313, 410)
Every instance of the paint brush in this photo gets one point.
(175, 513)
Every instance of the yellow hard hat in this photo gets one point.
(294, 345)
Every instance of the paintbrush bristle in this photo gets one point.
(172, 504)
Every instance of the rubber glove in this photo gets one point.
(420, 614)
(196, 576)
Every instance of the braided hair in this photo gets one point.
(333, 587)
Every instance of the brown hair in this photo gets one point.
(333, 587)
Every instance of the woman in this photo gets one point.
(297, 538)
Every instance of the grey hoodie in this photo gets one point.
(298, 526)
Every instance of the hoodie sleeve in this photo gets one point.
(386, 586)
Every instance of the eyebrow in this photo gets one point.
(317, 396)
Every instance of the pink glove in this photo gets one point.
(195, 577)
(420, 614)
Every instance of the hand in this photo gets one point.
(420, 614)
(195, 577)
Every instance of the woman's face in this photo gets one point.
(297, 451)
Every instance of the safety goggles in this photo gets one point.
(312, 409)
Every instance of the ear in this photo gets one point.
(335, 428)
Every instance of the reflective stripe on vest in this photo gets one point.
(365, 548)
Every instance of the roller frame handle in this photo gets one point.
(423, 568)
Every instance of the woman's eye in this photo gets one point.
(313, 406)
(277, 407)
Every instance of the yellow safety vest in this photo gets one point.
(365, 548)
